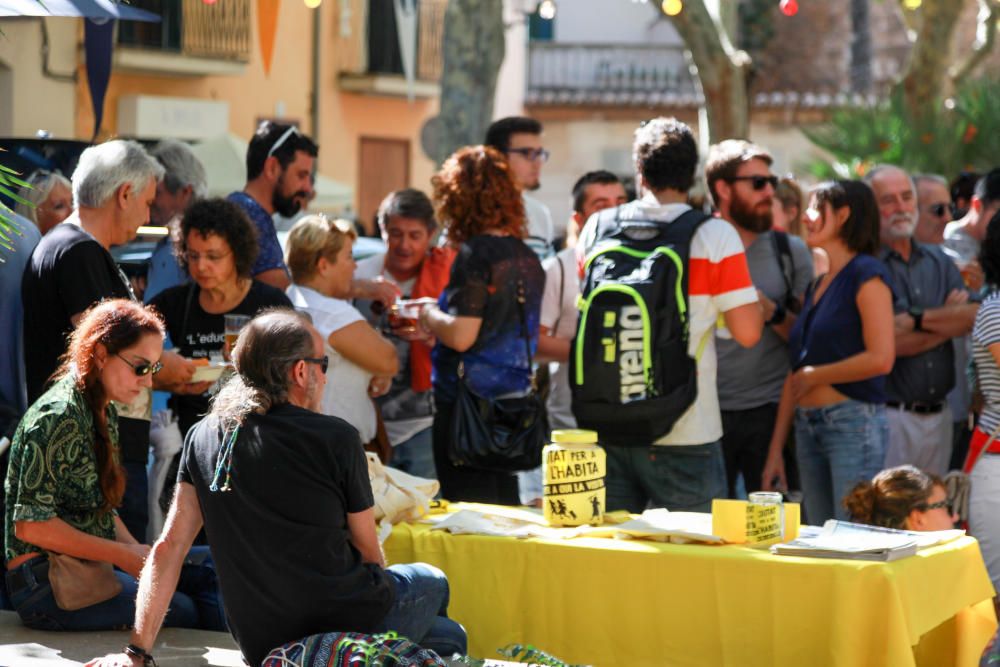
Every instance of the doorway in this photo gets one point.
(385, 167)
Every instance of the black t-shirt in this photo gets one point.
(68, 272)
(196, 334)
(279, 536)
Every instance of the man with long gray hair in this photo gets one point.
(285, 499)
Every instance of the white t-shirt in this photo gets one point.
(346, 392)
(560, 316)
(719, 280)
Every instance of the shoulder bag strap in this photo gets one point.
(989, 441)
(562, 293)
(783, 250)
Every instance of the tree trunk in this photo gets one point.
(473, 50)
(722, 71)
(926, 79)
(861, 48)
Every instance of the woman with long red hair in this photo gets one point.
(65, 480)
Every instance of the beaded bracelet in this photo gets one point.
(136, 652)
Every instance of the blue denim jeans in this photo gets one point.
(838, 446)
(196, 604)
(678, 477)
(416, 455)
(420, 612)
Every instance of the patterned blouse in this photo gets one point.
(53, 468)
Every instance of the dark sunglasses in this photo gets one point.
(941, 504)
(143, 369)
(531, 154)
(940, 209)
(323, 362)
(757, 182)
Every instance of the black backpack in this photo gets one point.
(630, 372)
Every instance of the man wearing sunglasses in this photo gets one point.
(280, 162)
(933, 306)
(934, 204)
(520, 139)
(750, 379)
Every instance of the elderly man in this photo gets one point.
(933, 307)
(934, 205)
(254, 471)
(184, 182)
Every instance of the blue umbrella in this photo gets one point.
(93, 9)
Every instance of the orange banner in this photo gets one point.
(267, 26)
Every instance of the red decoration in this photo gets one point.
(789, 7)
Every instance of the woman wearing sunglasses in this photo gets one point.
(904, 497)
(362, 362)
(64, 482)
(840, 351)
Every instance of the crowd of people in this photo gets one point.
(840, 345)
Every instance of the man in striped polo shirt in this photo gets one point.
(684, 469)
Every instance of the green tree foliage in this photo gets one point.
(960, 133)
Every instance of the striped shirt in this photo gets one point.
(718, 281)
(986, 332)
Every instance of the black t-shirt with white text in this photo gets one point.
(196, 334)
(279, 535)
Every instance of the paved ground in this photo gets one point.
(175, 647)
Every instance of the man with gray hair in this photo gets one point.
(254, 472)
(934, 205)
(932, 307)
(184, 182)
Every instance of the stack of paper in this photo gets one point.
(842, 539)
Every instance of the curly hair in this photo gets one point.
(474, 192)
(117, 324)
(989, 252)
(227, 221)
(889, 498)
(666, 154)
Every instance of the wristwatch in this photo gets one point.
(917, 313)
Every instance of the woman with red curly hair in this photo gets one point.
(478, 321)
(65, 480)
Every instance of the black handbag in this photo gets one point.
(499, 434)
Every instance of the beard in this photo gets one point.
(753, 219)
(894, 231)
(287, 206)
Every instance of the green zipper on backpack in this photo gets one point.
(647, 345)
(639, 254)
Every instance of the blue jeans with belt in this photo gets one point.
(196, 604)
(838, 446)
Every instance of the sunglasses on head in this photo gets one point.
(282, 139)
(324, 362)
(144, 368)
(757, 182)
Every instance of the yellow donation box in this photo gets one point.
(574, 467)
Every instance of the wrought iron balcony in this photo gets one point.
(609, 75)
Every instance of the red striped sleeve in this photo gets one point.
(709, 278)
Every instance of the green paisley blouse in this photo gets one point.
(53, 468)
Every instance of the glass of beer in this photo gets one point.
(234, 324)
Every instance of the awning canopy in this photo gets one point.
(224, 158)
(91, 9)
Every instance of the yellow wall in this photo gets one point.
(344, 117)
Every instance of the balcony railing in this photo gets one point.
(603, 74)
(218, 31)
(431, 27)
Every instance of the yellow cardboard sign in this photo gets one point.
(729, 520)
(574, 492)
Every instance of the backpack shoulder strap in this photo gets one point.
(785, 262)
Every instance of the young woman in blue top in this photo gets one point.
(841, 349)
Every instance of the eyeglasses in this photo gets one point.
(757, 182)
(193, 257)
(143, 369)
(282, 139)
(323, 362)
(940, 209)
(531, 154)
(941, 504)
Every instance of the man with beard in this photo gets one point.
(750, 379)
(520, 139)
(932, 307)
(279, 179)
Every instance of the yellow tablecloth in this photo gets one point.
(611, 602)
